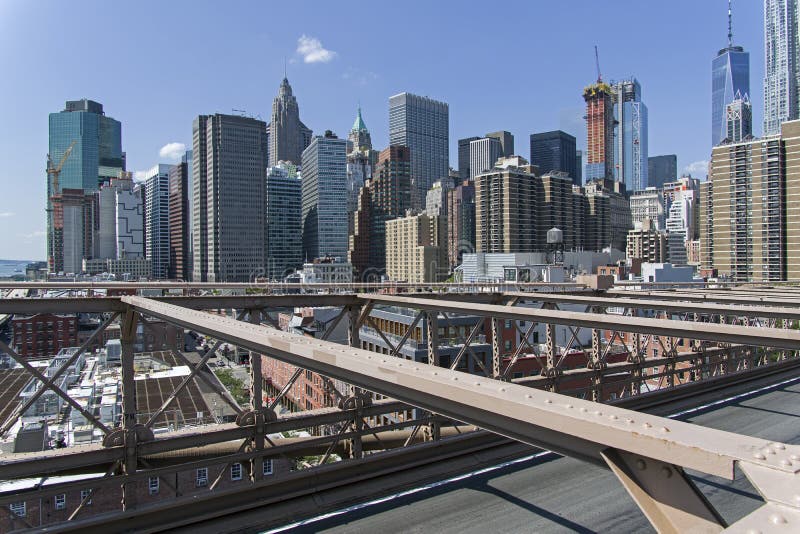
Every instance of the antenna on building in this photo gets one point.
(284, 66)
(597, 65)
(730, 26)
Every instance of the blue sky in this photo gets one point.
(514, 65)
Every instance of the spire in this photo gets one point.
(730, 26)
(359, 125)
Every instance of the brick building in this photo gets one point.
(44, 334)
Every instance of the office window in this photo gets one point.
(17, 508)
(202, 477)
(60, 501)
(85, 493)
(153, 485)
(236, 471)
(267, 466)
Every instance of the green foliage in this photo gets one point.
(234, 386)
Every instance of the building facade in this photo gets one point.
(156, 220)
(284, 232)
(460, 222)
(229, 169)
(648, 204)
(423, 126)
(483, 154)
(739, 120)
(324, 197)
(600, 131)
(661, 169)
(781, 67)
(647, 243)
(463, 157)
(506, 142)
(630, 141)
(416, 251)
(287, 134)
(95, 144)
(43, 335)
(555, 151)
(385, 197)
(752, 232)
(180, 231)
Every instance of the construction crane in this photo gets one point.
(597, 65)
(56, 171)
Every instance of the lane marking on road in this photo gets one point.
(539, 455)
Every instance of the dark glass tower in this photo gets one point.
(730, 79)
(555, 151)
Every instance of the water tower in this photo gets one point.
(555, 246)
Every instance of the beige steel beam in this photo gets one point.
(563, 424)
(762, 337)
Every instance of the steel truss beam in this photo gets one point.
(574, 427)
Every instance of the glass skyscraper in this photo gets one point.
(730, 76)
(324, 197)
(781, 68)
(96, 157)
(555, 151)
(423, 125)
(630, 139)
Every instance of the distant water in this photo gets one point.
(7, 267)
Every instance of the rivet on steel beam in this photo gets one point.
(753, 531)
(777, 519)
(548, 401)
(569, 406)
(477, 383)
(503, 390)
(759, 456)
(647, 425)
(598, 413)
(583, 409)
(795, 457)
(612, 417)
(630, 421)
(641, 464)
(667, 471)
(786, 463)
(779, 446)
(664, 429)
(455, 378)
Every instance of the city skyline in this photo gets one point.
(331, 76)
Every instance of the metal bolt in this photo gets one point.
(528, 396)
(641, 464)
(584, 410)
(548, 401)
(777, 519)
(786, 463)
(455, 378)
(795, 457)
(647, 425)
(667, 471)
(759, 456)
(598, 412)
(612, 417)
(664, 429)
(477, 383)
(779, 446)
(569, 406)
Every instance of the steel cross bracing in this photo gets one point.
(646, 452)
(355, 432)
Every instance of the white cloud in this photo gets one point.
(697, 168)
(172, 151)
(139, 176)
(312, 51)
(7, 214)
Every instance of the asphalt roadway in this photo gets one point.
(548, 493)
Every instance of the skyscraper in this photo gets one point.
(460, 221)
(359, 136)
(229, 169)
(630, 140)
(156, 220)
(599, 131)
(423, 126)
(555, 151)
(750, 226)
(288, 136)
(284, 225)
(661, 169)
(781, 67)
(463, 157)
(483, 153)
(506, 142)
(324, 184)
(180, 249)
(96, 157)
(739, 120)
(386, 196)
(360, 161)
(730, 75)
